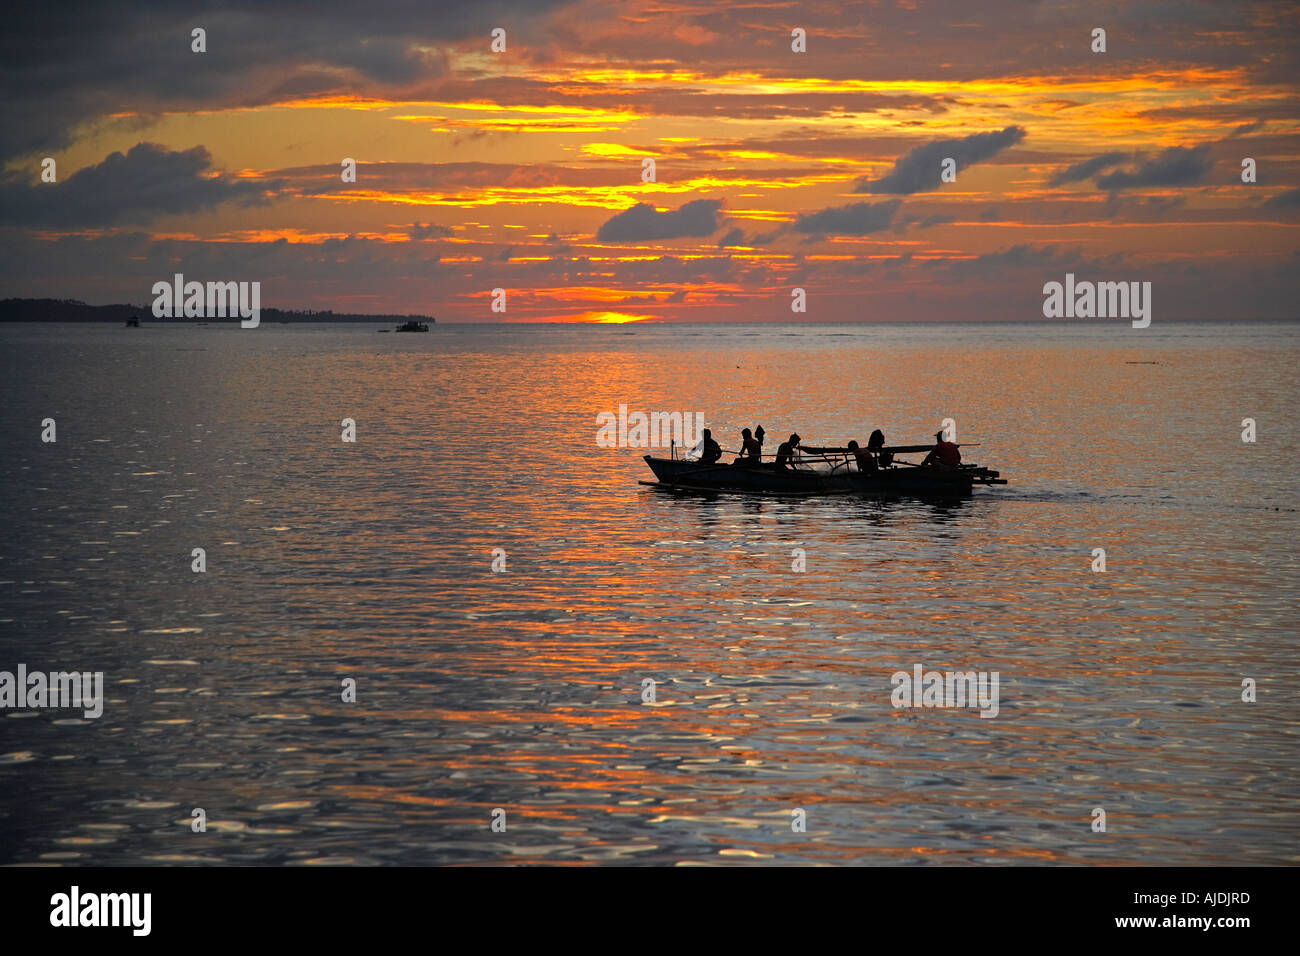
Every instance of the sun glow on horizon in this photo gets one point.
(602, 317)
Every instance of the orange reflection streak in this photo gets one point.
(519, 126)
(287, 234)
(572, 295)
(600, 197)
(613, 149)
(484, 106)
(772, 696)
(759, 83)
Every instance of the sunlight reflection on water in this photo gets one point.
(522, 690)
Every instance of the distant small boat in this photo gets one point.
(412, 326)
(133, 323)
(826, 471)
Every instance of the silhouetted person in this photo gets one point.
(711, 451)
(876, 447)
(866, 460)
(758, 437)
(943, 453)
(749, 450)
(785, 452)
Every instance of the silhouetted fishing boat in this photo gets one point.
(823, 471)
(412, 326)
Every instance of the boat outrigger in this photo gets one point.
(823, 471)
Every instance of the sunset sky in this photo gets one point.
(775, 169)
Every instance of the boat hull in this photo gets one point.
(901, 481)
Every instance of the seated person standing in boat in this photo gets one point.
(943, 453)
(751, 450)
(710, 451)
(785, 452)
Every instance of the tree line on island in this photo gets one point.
(74, 310)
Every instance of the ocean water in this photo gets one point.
(521, 690)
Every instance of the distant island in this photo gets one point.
(73, 310)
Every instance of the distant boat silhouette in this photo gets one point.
(412, 326)
(133, 322)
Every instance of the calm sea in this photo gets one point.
(521, 690)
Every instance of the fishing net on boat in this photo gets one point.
(822, 463)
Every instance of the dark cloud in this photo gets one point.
(1087, 168)
(1142, 209)
(923, 222)
(68, 64)
(919, 170)
(644, 223)
(733, 238)
(1287, 200)
(407, 276)
(1176, 166)
(130, 262)
(422, 230)
(855, 219)
(321, 180)
(766, 238)
(148, 182)
(997, 266)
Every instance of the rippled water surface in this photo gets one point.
(522, 690)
